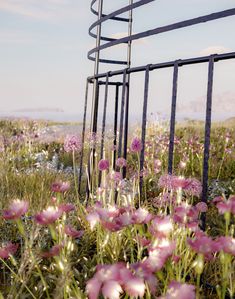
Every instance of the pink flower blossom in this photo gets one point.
(7, 250)
(140, 216)
(111, 289)
(48, 216)
(17, 209)
(60, 187)
(191, 186)
(179, 290)
(136, 145)
(72, 144)
(54, 251)
(103, 165)
(203, 244)
(135, 287)
(72, 232)
(201, 207)
(93, 219)
(161, 226)
(121, 162)
(227, 206)
(226, 244)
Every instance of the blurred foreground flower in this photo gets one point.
(7, 250)
(17, 209)
(48, 216)
(179, 290)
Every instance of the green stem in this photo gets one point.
(17, 277)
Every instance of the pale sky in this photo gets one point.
(44, 45)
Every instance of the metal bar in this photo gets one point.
(120, 11)
(115, 126)
(144, 122)
(207, 137)
(181, 62)
(95, 101)
(104, 117)
(104, 15)
(122, 114)
(167, 28)
(172, 123)
(83, 136)
(126, 126)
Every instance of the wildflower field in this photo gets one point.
(120, 241)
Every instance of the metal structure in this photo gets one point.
(121, 105)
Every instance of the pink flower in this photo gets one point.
(7, 250)
(67, 207)
(106, 279)
(72, 232)
(54, 251)
(48, 216)
(136, 145)
(17, 209)
(201, 207)
(135, 287)
(93, 219)
(226, 244)
(161, 226)
(93, 288)
(111, 289)
(140, 216)
(191, 186)
(72, 144)
(194, 187)
(227, 206)
(103, 165)
(60, 187)
(179, 290)
(121, 162)
(204, 245)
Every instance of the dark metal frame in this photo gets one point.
(123, 106)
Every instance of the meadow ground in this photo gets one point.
(118, 243)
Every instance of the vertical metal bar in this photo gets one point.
(93, 132)
(115, 125)
(104, 121)
(122, 114)
(207, 137)
(83, 136)
(96, 71)
(126, 124)
(104, 116)
(172, 124)
(144, 123)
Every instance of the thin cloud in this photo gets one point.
(49, 10)
(214, 50)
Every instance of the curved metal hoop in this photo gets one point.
(111, 42)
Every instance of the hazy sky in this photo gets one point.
(44, 44)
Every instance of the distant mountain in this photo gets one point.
(42, 109)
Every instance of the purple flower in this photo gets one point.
(103, 164)
(179, 290)
(8, 250)
(72, 143)
(17, 209)
(121, 162)
(60, 187)
(48, 216)
(136, 145)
